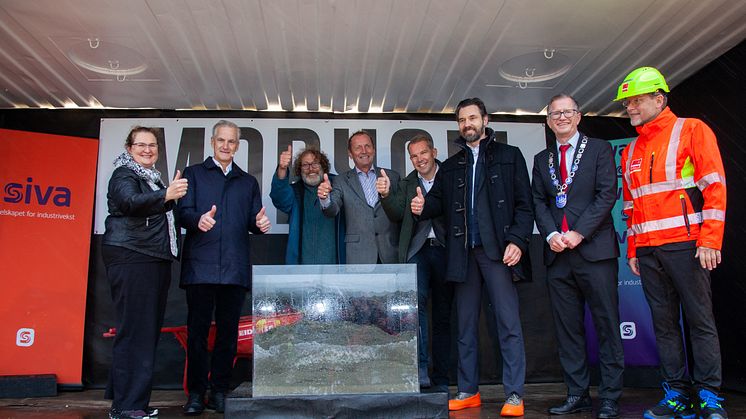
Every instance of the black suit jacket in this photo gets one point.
(590, 198)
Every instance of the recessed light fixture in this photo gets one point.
(107, 58)
(535, 67)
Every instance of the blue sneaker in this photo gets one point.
(710, 406)
(673, 406)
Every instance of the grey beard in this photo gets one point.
(312, 182)
(472, 138)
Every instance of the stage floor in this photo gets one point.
(538, 398)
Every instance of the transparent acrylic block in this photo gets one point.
(334, 329)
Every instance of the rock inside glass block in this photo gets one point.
(346, 329)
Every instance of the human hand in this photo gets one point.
(207, 220)
(262, 221)
(286, 157)
(324, 188)
(418, 202)
(572, 239)
(708, 257)
(556, 243)
(383, 184)
(634, 265)
(177, 188)
(512, 254)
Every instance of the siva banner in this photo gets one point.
(46, 213)
(636, 324)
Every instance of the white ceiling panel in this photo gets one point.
(352, 55)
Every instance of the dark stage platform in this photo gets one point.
(539, 397)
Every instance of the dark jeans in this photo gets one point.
(431, 269)
(495, 280)
(139, 289)
(226, 302)
(673, 279)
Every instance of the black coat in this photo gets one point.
(509, 196)
(137, 215)
(220, 255)
(590, 198)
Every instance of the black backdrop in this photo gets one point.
(714, 95)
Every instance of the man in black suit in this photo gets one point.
(574, 188)
(484, 195)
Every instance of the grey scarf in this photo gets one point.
(153, 178)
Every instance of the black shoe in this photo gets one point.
(195, 405)
(151, 411)
(216, 402)
(573, 404)
(608, 409)
(710, 406)
(673, 405)
(128, 414)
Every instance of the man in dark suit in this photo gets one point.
(574, 188)
(423, 242)
(484, 194)
(370, 237)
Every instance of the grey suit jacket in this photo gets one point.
(369, 234)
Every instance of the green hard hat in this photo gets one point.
(640, 81)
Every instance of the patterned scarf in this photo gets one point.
(153, 178)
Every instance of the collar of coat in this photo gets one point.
(209, 164)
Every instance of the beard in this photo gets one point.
(312, 179)
(470, 138)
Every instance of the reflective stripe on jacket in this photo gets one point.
(673, 184)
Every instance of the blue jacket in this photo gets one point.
(288, 198)
(221, 255)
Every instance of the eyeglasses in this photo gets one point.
(152, 146)
(568, 113)
(637, 100)
(307, 166)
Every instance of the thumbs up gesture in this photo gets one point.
(282, 165)
(262, 221)
(324, 188)
(418, 202)
(177, 188)
(207, 220)
(383, 184)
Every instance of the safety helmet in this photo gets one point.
(640, 81)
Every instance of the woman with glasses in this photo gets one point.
(140, 242)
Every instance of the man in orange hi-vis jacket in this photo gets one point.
(674, 200)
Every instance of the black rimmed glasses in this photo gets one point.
(568, 113)
(306, 166)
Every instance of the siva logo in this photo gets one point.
(25, 337)
(628, 330)
(17, 192)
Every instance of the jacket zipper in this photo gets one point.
(147, 221)
(652, 160)
(686, 219)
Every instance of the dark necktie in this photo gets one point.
(563, 172)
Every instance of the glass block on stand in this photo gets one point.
(334, 329)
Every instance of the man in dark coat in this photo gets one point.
(423, 242)
(483, 191)
(574, 187)
(221, 207)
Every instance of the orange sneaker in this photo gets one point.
(464, 401)
(513, 406)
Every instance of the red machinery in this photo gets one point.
(246, 329)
